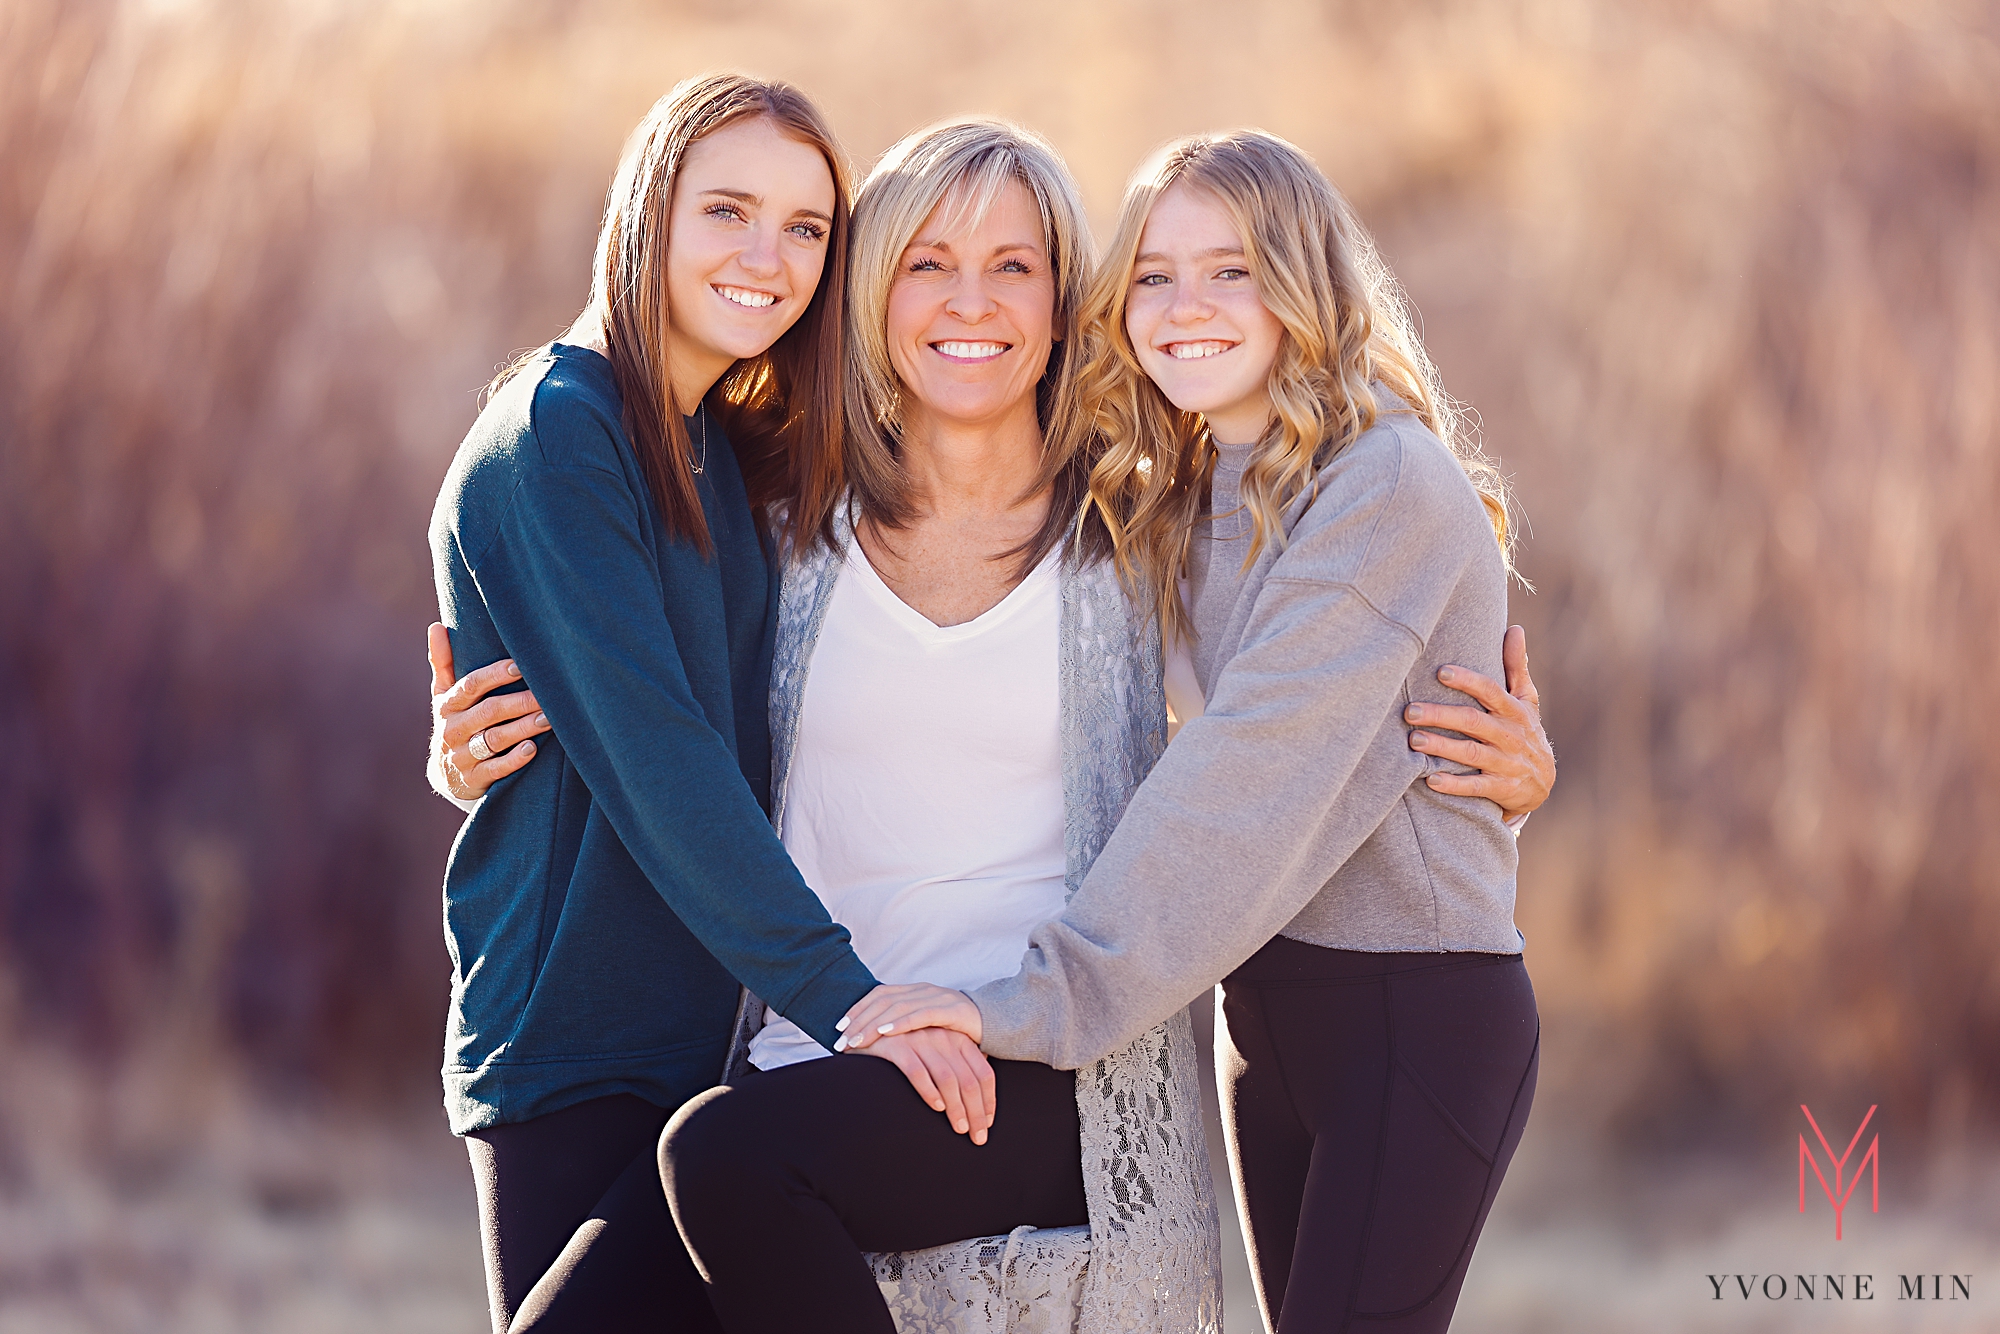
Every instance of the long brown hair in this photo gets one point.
(1347, 327)
(781, 409)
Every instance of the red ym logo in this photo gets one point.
(1836, 1195)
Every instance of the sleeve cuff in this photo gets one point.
(822, 1001)
(1012, 1027)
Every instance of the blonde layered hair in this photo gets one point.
(963, 165)
(1347, 327)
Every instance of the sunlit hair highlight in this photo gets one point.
(964, 165)
(1347, 326)
(782, 408)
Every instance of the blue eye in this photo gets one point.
(808, 231)
(724, 211)
(926, 266)
(1014, 266)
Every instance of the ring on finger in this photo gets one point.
(480, 750)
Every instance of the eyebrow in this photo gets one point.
(757, 201)
(940, 244)
(1217, 252)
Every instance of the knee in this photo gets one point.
(707, 1147)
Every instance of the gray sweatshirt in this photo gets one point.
(1294, 805)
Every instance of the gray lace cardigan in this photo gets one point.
(1151, 1258)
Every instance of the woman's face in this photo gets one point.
(747, 243)
(972, 314)
(1196, 320)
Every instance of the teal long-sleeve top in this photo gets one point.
(602, 903)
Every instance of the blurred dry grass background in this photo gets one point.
(1723, 280)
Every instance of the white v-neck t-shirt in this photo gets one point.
(924, 803)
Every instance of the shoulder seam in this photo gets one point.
(541, 460)
(535, 429)
(473, 562)
(1362, 597)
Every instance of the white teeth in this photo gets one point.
(1190, 351)
(971, 351)
(743, 296)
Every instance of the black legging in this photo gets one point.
(576, 1232)
(780, 1182)
(1372, 1103)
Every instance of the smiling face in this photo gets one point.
(752, 211)
(1200, 329)
(971, 316)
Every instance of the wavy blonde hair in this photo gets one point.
(1347, 327)
(964, 165)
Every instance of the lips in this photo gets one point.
(745, 296)
(958, 350)
(1195, 351)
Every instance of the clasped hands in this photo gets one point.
(932, 1035)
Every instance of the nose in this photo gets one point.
(759, 256)
(1190, 305)
(970, 301)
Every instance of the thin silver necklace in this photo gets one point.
(701, 415)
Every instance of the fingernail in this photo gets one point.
(840, 1044)
(513, 668)
(1446, 674)
(841, 1027)
(960, 1127)
(886, 1028)
(541, 720)
(1414, 712)
(527, 747)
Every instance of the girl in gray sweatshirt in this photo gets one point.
(1284, 475)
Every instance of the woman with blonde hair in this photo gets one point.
(963, 699)
(1275, 436)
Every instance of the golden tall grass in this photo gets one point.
(1722, 279)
